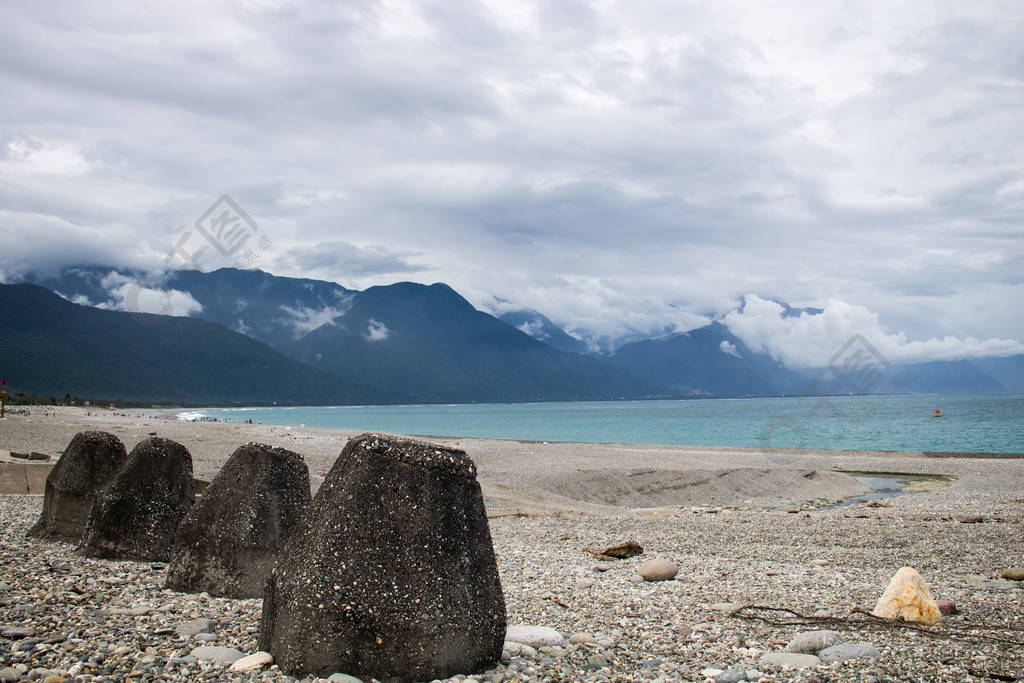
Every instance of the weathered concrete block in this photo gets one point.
(83, 471)
(228, 543)
(136, 516)
(394, 576)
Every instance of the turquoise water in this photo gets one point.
(985, 424)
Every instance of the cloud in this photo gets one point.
(729, 348)
(811, 340)
(304, 320)
(376, 331)
(625, 168)
(135, 297)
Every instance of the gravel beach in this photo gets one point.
(752, 531)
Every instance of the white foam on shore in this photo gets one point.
(190, 416)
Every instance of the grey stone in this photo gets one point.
(215, 653)
(83, 471)
(813, 642)
(136, 516)
(845, 651)
(731, 676)
(16, 632)
(791, 659)
(343, 678)
(195, 627)
(229, 541)
(9, 675)
(394, 575)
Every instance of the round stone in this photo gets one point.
(813, 642)
(658, 570)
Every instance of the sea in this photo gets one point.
(976, 424)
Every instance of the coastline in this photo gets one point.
(537, 477)
(745, 527)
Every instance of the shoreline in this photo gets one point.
(552, 477)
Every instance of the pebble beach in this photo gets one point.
(763, 556)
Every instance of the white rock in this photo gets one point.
(253, 662)
(907, 597)
(534, 636)
(224, 655)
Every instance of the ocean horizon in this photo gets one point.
(976, 424)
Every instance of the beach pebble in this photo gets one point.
(519, 649)
(195, 627)
(1013, 574)
(731, 676)
(603, 567)
(343, 678)
(15, 633)
(947, 607)
(584, 583)
(215, 653)
(658, 570)
(251, 663)
(792, 660)
(813, 642)
(9, 675)
(582, 639)
(534, 636)
(636, 578)
(847, 651)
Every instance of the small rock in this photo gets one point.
(725, 606)
(991, 584)
(813, 642)
(214, 653)
(819, 563)
(636, 578)
(658, 570)
(791, 659)
(195, 627)
(603, 567)
(1013, 574)
(583, 639)
(16, 633)
(343, 678)
(9, 675)
(584, 583)
(731, 676)
(847, 651)
(519, 650)
(253, 662)
(947, 607)
(534, 636)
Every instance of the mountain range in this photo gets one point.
(318, 342)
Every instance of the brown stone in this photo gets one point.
(658, 570)
(619, 552)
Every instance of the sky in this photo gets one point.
(625, 168)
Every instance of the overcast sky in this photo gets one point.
(617, 166)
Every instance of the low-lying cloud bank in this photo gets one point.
(812, 339)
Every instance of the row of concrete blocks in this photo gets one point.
(388, 573)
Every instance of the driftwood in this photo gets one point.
(618, 552)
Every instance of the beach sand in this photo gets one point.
(745, 526)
